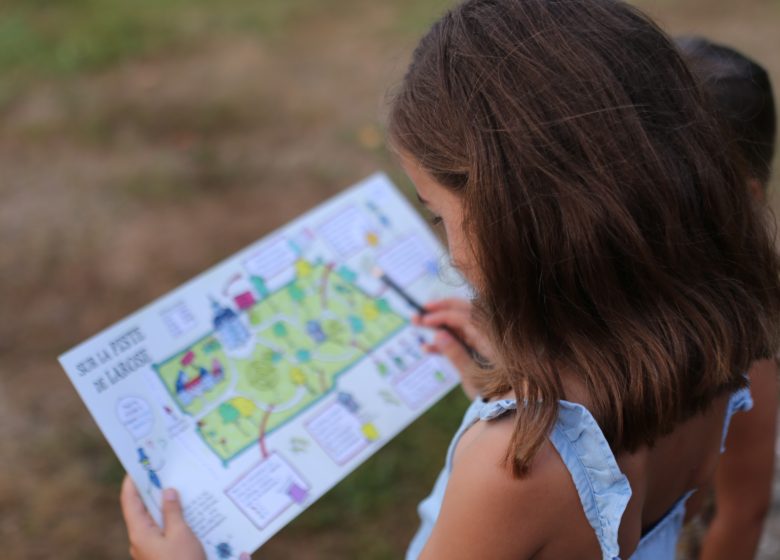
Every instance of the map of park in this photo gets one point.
(275, 354)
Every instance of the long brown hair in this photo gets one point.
(614, 237)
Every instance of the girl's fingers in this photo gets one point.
(457, 321)
(449, 304)
(454, 319)
(430, 319)
(137, 518)
(464, 329)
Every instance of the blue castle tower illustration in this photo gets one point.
(228, 326)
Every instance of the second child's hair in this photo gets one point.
(741, 95)
(611, 239)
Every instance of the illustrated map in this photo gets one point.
(261, 383)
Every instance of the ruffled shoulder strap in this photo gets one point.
(741, 400)
(493, 409)
(603, 488)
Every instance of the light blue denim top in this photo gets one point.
(603, 489)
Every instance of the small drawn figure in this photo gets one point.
(298, 444)
(382, 368)
(143, 458)
(348, 401)
(314, 330)
(224, 550)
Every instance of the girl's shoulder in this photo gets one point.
(521, 515)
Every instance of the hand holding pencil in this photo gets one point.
(453, 317)
(453, 320)
(457, 338)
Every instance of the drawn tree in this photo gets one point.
(230, 415)
(260, 286)
(296, 292)
(261, 374)
(246, 408)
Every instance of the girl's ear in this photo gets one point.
(756, 189)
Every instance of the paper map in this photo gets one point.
(258, 385)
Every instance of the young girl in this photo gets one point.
(741, 94)
(624, 282)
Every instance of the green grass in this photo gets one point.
(45, 39)
(61, 37)
(51, 36)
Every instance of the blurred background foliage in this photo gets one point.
(55, 38)
(140, 143)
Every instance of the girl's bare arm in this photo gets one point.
(743, 482)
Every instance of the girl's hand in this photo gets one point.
(147, 540)
(455, 314)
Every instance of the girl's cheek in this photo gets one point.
(461, 259)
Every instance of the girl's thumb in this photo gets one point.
(173, 516)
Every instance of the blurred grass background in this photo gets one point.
(140, 143)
